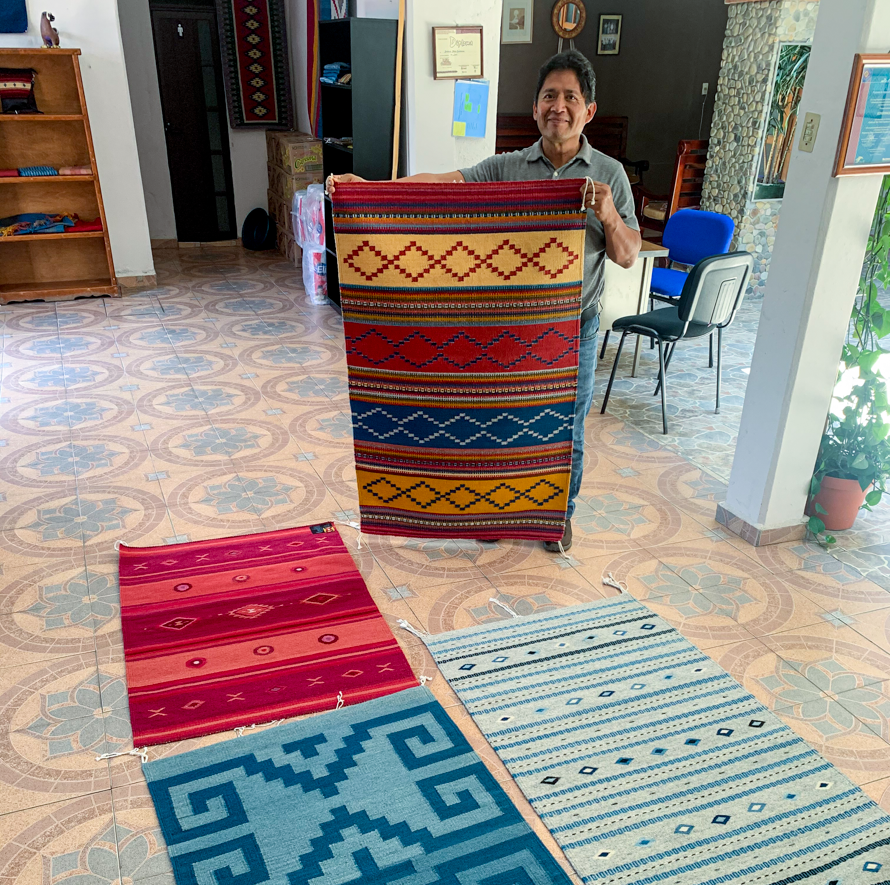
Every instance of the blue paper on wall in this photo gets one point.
(470, 108)
(13, 17)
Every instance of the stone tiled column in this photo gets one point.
(754, 32)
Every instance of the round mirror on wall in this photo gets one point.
(568, 18)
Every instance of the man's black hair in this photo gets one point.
(570, 61)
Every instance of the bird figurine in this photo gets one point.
(49, 34)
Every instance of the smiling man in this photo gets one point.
(564, 104)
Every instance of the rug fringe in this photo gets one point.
(340, 700)
(136, 751)
(240, 729)
(510, 611)
(610, 581)
(406, 626)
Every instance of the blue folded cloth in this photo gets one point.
(332, 72)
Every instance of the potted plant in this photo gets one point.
(853, 465)
(854, 457)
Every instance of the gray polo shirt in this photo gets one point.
(531, 164)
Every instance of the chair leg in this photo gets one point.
(719, 365)
(667, 364)
(651, 308)
(664, 414)
(711, 351)
(605, 342)
(612, 376)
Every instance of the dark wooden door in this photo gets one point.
(193, 103)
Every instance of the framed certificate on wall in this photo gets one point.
(865, 137)
(457, 53)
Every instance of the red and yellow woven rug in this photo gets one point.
(241, 631)
(461, 306)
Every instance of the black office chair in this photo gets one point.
(710, 299)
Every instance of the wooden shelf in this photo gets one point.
(74, 235)
(46, 118)
(52, 266)
(337, 85)
(56, 290)
(28, 179)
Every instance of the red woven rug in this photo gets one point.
(238, 631)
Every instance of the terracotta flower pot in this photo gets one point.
(841, 499)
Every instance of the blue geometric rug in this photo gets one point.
(650, 764)
(388, 791)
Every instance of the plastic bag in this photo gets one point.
(315, 276)
(312, 217)
(297, 219)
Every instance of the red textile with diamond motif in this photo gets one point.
(241, 631)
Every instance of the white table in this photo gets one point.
(627, 291)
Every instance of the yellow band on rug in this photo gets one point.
(447, 496)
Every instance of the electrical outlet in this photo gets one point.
(704, 88)
(809, 132)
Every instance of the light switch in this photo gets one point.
(704, 88)
(809, 132)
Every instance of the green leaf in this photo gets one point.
(815, 525)
(874, 497)
(860, 463)
(819, 509)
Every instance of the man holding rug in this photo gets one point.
(564, 104)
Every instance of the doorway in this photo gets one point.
(193, 103)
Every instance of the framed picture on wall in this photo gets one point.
(516, 21)
(865, 137)
(609, 42)
(457, 53)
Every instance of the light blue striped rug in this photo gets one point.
(649, 763)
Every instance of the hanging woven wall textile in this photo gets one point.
(649, 763)
(461, 311)
(256, 63)
(384, 793)
(240, 631)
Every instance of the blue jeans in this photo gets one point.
(583, 400)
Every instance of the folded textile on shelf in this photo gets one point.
(36, 223)
(37, 171)
(82, 226)
(9, 173)
(75, 170)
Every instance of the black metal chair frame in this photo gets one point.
(688, 302)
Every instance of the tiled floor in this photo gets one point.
(216, 405)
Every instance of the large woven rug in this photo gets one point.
(240, 631)
(650, 764)
(461, 305)
(386, 792)
(256, 62)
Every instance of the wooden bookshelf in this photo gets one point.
(52, 267)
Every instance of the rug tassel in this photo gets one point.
(510, 611)
(425, 679)
(340, 700)
(610, 581)
(117, 546)
(406, 626)
(142, 754)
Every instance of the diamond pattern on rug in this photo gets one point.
(648, 762)
(261, 632)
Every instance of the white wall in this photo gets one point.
(247, 147)
(92, 26)
(146, 100)
(430, 103)
(298, 42)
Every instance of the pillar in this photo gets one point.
(815, 268)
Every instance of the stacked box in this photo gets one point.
(294, 161)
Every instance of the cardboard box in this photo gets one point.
(280, 210)
(294, 152)
(285, 186)
(288, 247)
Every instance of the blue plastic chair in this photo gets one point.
(690, 235)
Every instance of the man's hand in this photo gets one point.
(622, 242)
(334, 180)
(599, 198)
